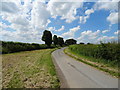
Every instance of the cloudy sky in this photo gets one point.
(25, 20)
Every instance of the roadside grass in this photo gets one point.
(99, 64)
(29, 69)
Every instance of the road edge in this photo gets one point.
(63, 82)
(87, 63)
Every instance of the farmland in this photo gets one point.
(29, 69)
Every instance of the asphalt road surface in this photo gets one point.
(75, 74)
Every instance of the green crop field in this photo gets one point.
(103, 56)
(29, 69)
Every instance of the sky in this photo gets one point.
(25, 20)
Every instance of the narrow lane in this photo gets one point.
(80, 75)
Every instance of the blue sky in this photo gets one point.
(84, 21)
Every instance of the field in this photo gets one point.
(29, 69)
(103, 56)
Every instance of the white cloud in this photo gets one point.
(21, 36)
(117, 32)
(106, 5)
(51, 29)
(71, 32)
(9, 10)
(27, 30)
(30, 19)
(3, 26)
(88, 12)
(13, 12)
(54, 29)
(19, 20)
(94, 37)
(113, 18)
(89, 36)
(67, 10)
(105, 31)
(39, 14)
(37, 17)
(8, 35)
(9, 7)
(48, 21)
(83, 19)
(61, 29)
(106, 38)
(112, 6)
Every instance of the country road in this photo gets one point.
(75, 74)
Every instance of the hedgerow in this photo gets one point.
(109, 52)
(11, 47)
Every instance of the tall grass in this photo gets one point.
(109, 52)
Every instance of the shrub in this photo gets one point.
(108, 51)
(11, 47)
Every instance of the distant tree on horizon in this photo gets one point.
(55, 40)
(70, 41)
(82, 43)
(89, 43)
(60, 41)
(47, 38)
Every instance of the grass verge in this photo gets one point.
(29, 69)
(87, 60)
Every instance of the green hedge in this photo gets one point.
(108, 51)
(11, 47)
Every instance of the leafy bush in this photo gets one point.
(108, 52)
(11, 47)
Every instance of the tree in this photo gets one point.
(60, 41)
(55, 40)
(89, 43)
(47, 38)
(70, 41)
(81, 43)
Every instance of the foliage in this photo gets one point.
(10, 47)
(55, 40)
(47, 38)
(82, 43)
(109, 52)
(70, 41)
(60, 41)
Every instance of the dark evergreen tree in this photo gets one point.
(60, 41)
(70, 41)
(47, 37)
(55, 40)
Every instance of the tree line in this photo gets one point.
(48, 39)
(11, 47)
(51, 42)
